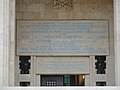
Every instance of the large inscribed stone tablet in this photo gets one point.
(71, 37)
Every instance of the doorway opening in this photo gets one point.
(62, 80)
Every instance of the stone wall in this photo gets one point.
(74, 9)
(80, 9)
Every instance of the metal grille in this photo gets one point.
(24, 64)
(100, 64)
(24, 83)
(100, 83)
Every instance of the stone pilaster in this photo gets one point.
(117, 40)
(5, 42)
(1, 42)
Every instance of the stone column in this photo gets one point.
(117, 40)
(9, 42)
(1, 42)
(5, 42)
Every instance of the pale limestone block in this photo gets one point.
(27, 1)
(31, 15)
(108, 1)
(19, 15)
(78, 15)
(36, 16)
(22, 8)
(71, 15)
(105, 15)
(93, 7)
(47, 1)
(48, 8)
(84, 1)
(62, 15)
(102, 8)
(35, 8)
(83, 8)
(109, 7)
(27, 15)
(37, 1)
(25, 78)
(76, 7)
(17, 8)
(62, 65)
(76, 1)
(19, 1)
(89, 1)
(101, 77)
(94, 15)
(49, 15)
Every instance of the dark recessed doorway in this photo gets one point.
(62, 80)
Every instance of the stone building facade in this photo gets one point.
(16, 14)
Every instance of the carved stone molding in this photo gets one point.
(62, 4)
